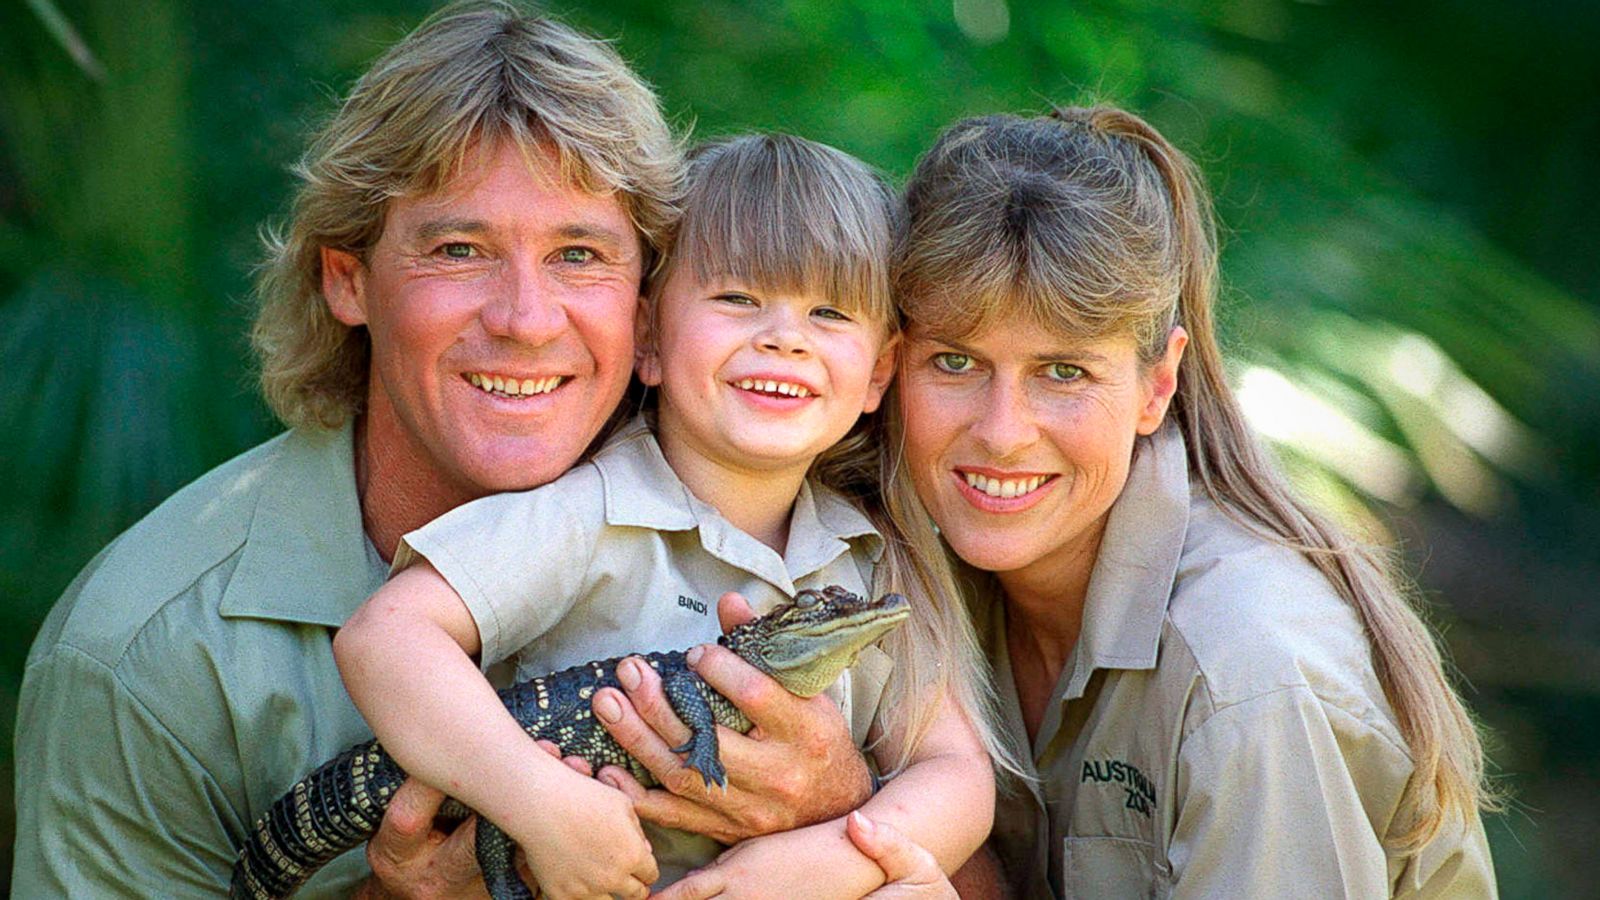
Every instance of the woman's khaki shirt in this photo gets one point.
(1218, 731)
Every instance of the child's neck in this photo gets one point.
(758, 502)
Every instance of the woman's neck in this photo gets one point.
(1045, 600)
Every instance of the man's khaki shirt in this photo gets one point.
(617, 556)
(186, 680)
(1218, 731)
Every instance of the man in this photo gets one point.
(448, 314)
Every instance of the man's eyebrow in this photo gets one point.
(439, 227)
(578, 231)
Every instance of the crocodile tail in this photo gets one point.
(333, 809)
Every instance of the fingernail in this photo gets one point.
(694, 654)
(628, 673)
(863, 823)
(607, 708)
(610, 781)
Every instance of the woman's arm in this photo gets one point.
(406, 657)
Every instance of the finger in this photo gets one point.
(701, 884)
(408, 822)
(764, 701)
(622, 780)
(580, 765)
(549, 747)
(636, 736)
(668, 810)
(900, 859)
(643, 686)
(733, 610)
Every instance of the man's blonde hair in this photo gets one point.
(472, 74)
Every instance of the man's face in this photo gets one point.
(501, 314)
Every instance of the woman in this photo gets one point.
(1214, 691)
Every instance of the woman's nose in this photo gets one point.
(1005, 421)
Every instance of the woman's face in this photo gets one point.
(1019, 440)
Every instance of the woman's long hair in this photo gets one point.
(1090, 223)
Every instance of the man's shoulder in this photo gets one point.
(165, 557)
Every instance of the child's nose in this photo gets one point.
(782, 334)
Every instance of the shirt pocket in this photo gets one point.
(1112, 867)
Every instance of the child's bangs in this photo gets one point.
(782, 214)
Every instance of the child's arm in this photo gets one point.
(406, 658)
(943, 801)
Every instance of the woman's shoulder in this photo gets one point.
(1257, 617)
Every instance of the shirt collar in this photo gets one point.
(1137, 563)
(306, 557)
(642, 491)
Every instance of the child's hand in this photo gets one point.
(585, 841)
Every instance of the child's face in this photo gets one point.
(759, 380)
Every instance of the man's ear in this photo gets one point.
(344, 286)
(882, 373)
(646, 359)
(1162, 382)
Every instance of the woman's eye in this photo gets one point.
(1064, 372)
(457, 250)
(952, 362)
(576, 255)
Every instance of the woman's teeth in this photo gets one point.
(1006, 488)
(774, 387)
(513, 387)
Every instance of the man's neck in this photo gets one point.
(398, 492)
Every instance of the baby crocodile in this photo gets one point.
(805, 645)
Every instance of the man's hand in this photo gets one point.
(413, 860)
(913, 873)
(797, 766)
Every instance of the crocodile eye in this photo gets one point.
(806, 599)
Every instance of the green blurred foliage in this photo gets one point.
(1406, 188)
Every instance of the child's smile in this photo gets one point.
(754, 379)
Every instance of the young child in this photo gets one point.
(769, 331)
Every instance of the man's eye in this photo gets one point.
(457, 250)
(1064, 372)
(952, 362)
(576, 255)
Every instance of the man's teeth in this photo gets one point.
(774, 387)
(513, 387)
(1007, 488)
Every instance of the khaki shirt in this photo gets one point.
(617, 556)
(1218, 731)
(186, 679)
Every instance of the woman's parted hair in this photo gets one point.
(472, 74)
(1088, 222)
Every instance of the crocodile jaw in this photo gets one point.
(807, 657)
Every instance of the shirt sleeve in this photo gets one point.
(519, 561)
(112, 804)
(1283, 795)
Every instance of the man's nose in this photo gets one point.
(525, 307)
(1005, 422)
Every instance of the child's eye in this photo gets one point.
(576, 254)
(832, 313)
(1061, 371)
(458, 250)
(952, 362)
(736, 299)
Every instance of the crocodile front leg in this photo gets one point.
(683, 691)
(497, 858)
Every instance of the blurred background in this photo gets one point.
(1412, 267)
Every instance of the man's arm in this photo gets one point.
(798, 766)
